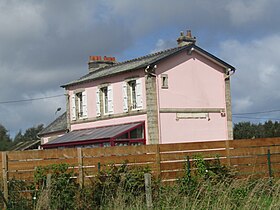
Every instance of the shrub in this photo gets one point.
(62, 189)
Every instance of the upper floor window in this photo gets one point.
(164, 81)
(79, 105)
(132, 92)
(104, 93)
(104, 100)
(132, 95)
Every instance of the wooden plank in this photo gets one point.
(120, 151)
(172, 166)
(32, 164)
(262, 168)
(120, 159)
(42, 154)
(192, 146)
(23, 175)
(172, 175)
(262, 142)
(93, 171)
(183, 155)
(250, 160)
(250, 151)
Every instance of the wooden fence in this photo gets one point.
(249, 157)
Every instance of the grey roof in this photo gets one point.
(59, 124)
(138, 63)
(93, 134)
(125, 66)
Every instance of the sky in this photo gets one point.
(45, 44)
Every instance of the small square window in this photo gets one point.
(164, 81)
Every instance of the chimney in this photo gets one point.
(186, 39)
(96, 62)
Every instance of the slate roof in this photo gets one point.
(98, 133)
(137, 63)
(59, 124)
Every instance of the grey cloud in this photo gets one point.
(255, 86)
(47, 43)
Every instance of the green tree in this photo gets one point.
(19, 137)
(248, 130)
(5, 140)
(32, 133)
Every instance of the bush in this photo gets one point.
(62, 189)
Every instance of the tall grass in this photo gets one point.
(123, 188)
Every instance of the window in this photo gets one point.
(134, 137)
(104, 101)
(164, 81)
(79, 97)
(104, 92)
(132, 89)
(132, 95)
(79, 105)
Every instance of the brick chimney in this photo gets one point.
(96, 62)
(186, 39)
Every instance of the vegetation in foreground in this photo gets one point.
(210, 186)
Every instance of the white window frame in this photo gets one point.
(79, 105)
(132, 92)
(104, 99)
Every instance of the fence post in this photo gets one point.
(228, 152)
(5, 177)
(80, 167)
(158, 173)
(188, 167)
(269, 163)
(99, 167)
(148, 189)
(49, 181)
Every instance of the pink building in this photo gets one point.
(176, 95)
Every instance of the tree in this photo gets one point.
(32, 133)
(5, 141)
(248, 130)
(19, 137)
(29, 134)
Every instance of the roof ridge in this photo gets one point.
(137, 59)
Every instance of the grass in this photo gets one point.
(234, 194)
(123, 188)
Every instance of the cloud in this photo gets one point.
(47, 43)
(255, 86)
(163, 44)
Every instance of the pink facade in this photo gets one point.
(193, 82)
(179, 95)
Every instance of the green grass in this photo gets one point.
(234, 194)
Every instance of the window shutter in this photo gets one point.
(110, 100)
(98, 113)
(125, 102)
(139, 101)
(73, 104)
(84, 101)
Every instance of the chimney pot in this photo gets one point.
(189, 33)
(96, 62)
(186, 39)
